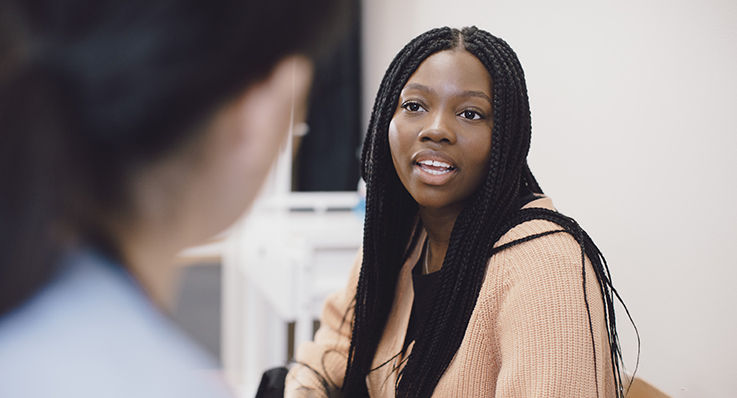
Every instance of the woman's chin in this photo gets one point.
(436, 204)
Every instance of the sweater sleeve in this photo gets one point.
(545, 340)
(320, 364)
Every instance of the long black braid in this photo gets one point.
(491, 211)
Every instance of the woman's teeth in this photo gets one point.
(435, 167)
(436, 172)
(435, 163)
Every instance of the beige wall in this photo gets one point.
(633, 134)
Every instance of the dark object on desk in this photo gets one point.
(272, 383)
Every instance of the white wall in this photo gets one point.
(633, 135)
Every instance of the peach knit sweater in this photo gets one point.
(528, 335)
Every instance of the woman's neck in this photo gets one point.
(439, 224)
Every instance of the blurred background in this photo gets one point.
(633, 135)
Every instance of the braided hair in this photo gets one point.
(491, 211)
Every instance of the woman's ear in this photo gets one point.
(246, 136)
(267, 111)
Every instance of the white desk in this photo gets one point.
(279, 266)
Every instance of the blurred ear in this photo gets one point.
(246, 136)
(279, 99)
(267, 111)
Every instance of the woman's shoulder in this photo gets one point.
(543, 271)
(532, 227)
(537, 249)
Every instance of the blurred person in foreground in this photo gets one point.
(131, 130)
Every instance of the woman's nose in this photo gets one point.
(439, 129)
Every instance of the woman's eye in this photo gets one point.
(412, 106)
(471, 115)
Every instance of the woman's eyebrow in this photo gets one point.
(480, 94)
(418, 86)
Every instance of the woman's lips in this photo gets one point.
(434, 171)
(435, 167)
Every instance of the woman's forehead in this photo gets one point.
(454, 70)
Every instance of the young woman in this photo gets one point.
(469, 283)
(130, 130)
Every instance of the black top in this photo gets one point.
(424, 287)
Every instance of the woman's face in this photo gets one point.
(440, 135)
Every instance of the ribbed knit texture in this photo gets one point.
(527, 337)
